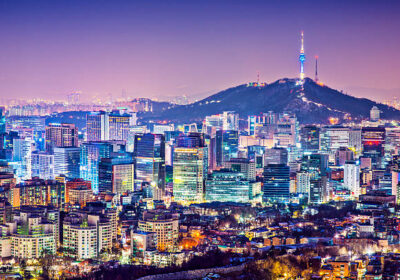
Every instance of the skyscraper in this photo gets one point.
(227, 144)
(116, 174)
(316, 166)
(373, 140)
(149, 154)
(61, 135)
(43, 165)
(309, 138)
(91, 155)
(276, 182)
(190, 166)
(97, 126)
(67, 161)
(352, 178)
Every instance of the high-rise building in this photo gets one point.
(244, 166)
(276, 156)
(165, 225)
(103, 126)
(91, 155)
(309, 138)
(119, 126)
(149, 157)
(230, 120)
(97, 126)
(43, 165)
(342, 155)
(316, 165)
(22, 158)
(32, 232)
(227, 146)
(67, 161)
(373, 141)
(116, 175)
(352, 178)
(78, 191)
(36, 192)
(227, 185)
(276, 182)
(85, 235)
(61, 135)
(190, 167)
(333, 138)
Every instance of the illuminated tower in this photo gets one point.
(302, 57)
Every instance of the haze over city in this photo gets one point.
(195, 48)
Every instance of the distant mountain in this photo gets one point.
(311, 102)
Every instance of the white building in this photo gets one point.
(352, 178)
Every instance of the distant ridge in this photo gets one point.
(311, 102)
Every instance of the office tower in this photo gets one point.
(86, 235)
(303, 180)
(276, 156)
(38, 192)
(61, 135)
(373, 141)
(286, 130)
(67, 161)
(355, 142)
(352, 178)
(244, 166)
(78, 191)
(150, 163)
(309, 138)
(316, 165)
(342, 155)
(332, 138)
(165, 224)
(230, 120)
(119, 125)
(227, 143)
(162, 128)
(116, 175)
(374, 114)
(212, 123)
(97, 126)
(190, 167)
(22, 158)
(43, 165)
(227, 185)
(276, 183)
(2, 121)
(91, 155)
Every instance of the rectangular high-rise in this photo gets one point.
(190, 165)
(61, 135)
(149, 154)
(276, 182)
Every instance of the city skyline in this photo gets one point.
(166, 49)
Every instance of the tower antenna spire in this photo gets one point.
(302, 57)
(316, 68)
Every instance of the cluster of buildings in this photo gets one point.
(159, 194)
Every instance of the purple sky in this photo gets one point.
(168, 48)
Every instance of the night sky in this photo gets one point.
(169, 48)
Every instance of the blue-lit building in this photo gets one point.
(227, 185)
(149, 155)
(91, 155)
(227, 146)
(276, 183)
(67, 161)
(116, 174)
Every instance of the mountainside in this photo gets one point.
(311, 103)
